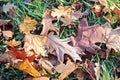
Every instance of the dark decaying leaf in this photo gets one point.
(88, 36)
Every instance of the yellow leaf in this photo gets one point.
(27, 25)
(26, 67)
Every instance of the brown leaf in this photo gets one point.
(13, 43)
(62, 47)
(7, 7)
(65, 69)
(47, 23)
(4, 22)
(27, 68)
(39, 78)
(28, 25)
(47, 65)
(89, 67)
(88, 36)
(98, 9)
(36, 43)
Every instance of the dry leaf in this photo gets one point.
(116, 10)
(13, 43)
(66, 14)
(28, 25)
(46, 65)
(113, 39)
(88, 36)
(36, 43)
(80, 74)
(62, 47)
(26, 67)
(47, 23)
(39, 78)
(7, 7)
(7, 34)
(65, 70)
(98, 9)
(89, 67)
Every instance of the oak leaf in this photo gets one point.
(27, 25)
(88, 36)
(47, 23)
(62, 47)
(36, 43)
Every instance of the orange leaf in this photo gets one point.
(18, 54)
(13, 43)
(26, 67)
(31, 58)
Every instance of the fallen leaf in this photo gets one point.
(7, 34)
(62, 47)
(45, 64)
(66, 14)
(80, 74)
(89, 67)
(47, 23)
(36, 43)
(98, 9)
(7, 7)
(65, 69)
(88, 36)
(4, 22)
(26, 67)
(39, 78)
(113, 39)
(28, 25)
(13, 43)
(116, 10)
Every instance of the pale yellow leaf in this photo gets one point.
(28, 25)
(7, 34)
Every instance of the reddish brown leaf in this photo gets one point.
(88, 36)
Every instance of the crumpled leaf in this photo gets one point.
(27, 68)
(47, 65)
(88, 36)
(13, 43)
(36, 43)
(28, 25)
(7, 7)
(47, 23)
(66, 14)
(65, 69)
(62, 47)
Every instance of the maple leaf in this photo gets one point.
(88, 36)
(62, 47)
(47, 23)
(13, 43)
(27, 25)
(7, 7)
(36, 43)
(66, 14)
(65, 69)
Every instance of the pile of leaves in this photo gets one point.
(38, 49)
